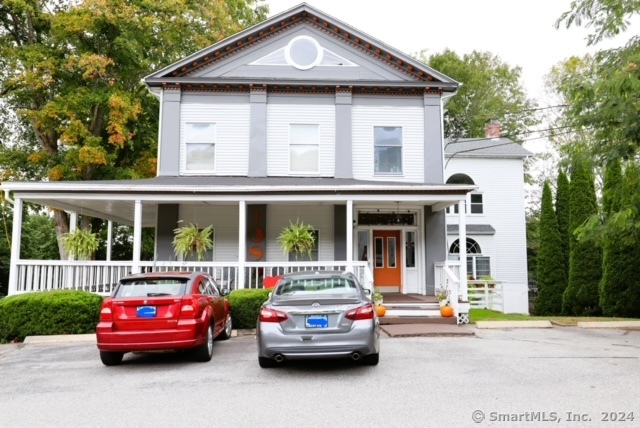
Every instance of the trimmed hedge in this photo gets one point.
(245, 306)
(48, 313)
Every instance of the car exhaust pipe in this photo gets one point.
(278, 358)
(355, 356)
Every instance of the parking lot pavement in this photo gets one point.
(509, 378)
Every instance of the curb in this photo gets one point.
(610, 324)
(513, 324)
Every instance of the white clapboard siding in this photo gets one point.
(232, 134)
(318, 216)
(502, 185)
(224, 219)
(280, 116)
(411, 119)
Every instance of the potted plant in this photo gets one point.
(81, 243)
(297, 238)
(377, 297)
(442, 298)
(191, 239)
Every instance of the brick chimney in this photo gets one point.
(492, 129)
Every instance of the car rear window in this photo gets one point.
(152, 287)
(330, 285)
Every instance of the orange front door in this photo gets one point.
(387, 270)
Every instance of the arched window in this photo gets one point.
(475, 198)
(478, 266)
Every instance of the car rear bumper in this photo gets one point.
(183, 337)
(363, 338)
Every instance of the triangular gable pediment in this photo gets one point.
(302, 44)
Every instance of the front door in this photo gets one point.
(387, 269)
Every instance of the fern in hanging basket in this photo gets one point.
(190, 239)
(81, 244)
(297, 238)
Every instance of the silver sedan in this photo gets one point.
(318, 314)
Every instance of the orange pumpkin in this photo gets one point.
(381, 310)
(446, 311)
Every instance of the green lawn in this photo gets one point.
(489, 315)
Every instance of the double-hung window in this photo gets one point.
(387, 143)
(304, 148)
(200, 147)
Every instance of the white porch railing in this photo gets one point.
(486, 294)
(101, 276)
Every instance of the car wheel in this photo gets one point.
(266, 363)
(111, 358)
(204, 352)
(371, 360)
(228, 328)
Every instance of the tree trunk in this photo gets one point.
(62, 227)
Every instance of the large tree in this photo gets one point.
(72, 71)
(562, 214)
(552, 281)
(581, 296)
(491, 89)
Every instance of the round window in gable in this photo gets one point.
(303, 53)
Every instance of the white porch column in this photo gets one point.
(462, 239)
(73, 225)
(109, 239)
(350, 235)
(242, 241)
(16, 234)
(137, 237)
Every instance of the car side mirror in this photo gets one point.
(224, 291)
(367, 292)
(270, 294)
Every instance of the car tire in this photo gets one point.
(266, 363)
(204, 352)
(371, 359)
(228, 328)
(111, 358)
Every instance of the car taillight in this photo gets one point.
(189, 306)
(271, 315)
(362, 313)
(106, 313)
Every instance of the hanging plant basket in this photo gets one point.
(297, 238)
(191, 239)
(81, 244)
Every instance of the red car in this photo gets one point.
(163, 311)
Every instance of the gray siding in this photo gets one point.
(433, 140)
(340, 232)
(169, 141)
(435, 244)
(167, 221)
(344, 136)
(258, 135)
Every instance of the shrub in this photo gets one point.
(245, 306)
(47, 313)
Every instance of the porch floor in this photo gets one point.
(391, 298)
(415, 315)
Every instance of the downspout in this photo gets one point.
(7, 196)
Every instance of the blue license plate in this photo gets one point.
(146, 311)
(317, 321)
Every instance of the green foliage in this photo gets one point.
(297, 238)
(245, 306)
(552, 281)
(562, 215)
(491, 90)
(190, 239)
(81, 244)
(39, 241)
(581, 296)
(47, 313)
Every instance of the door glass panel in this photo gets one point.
(379, 252)
(410, 250)
(363, 241)
(391, 248)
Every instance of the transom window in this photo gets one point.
(200, 147)
(478, 266)
(387, 143)
(474, 201)
(304, 148)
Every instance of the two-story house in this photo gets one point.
(301, 117)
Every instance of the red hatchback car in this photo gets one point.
(163, 311)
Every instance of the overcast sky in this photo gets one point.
(521, 32)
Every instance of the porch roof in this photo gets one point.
(115, 199)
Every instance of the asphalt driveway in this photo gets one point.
(520, 377)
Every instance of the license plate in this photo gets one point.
(146, 311)
(317, 321)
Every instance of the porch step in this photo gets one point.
(395, 320)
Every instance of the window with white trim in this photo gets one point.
(387, 144)
(474, 202)
(200, 147)
(304, 148)
(478, 266)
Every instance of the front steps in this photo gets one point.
(414, 313)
